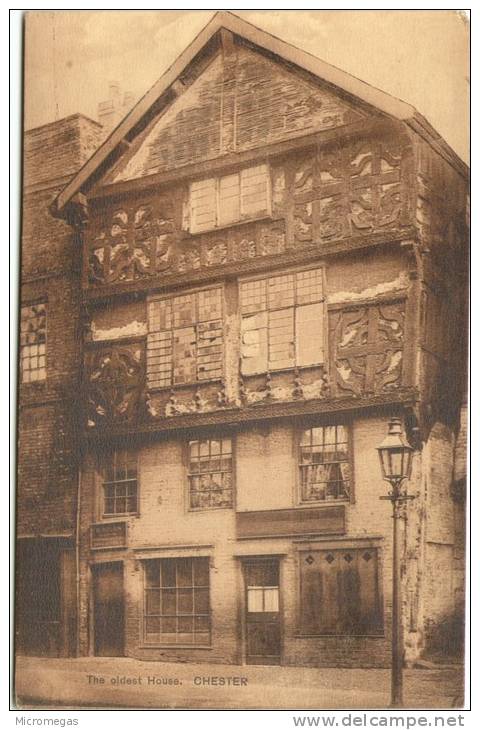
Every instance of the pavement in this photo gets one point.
(97, 682)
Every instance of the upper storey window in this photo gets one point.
(33, 342)
(282, 321)
(222, 201)
(185, 338)
(120, 484)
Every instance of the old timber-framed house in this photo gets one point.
(263, 263)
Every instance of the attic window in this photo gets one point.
(222, 201)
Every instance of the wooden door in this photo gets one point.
(262, 612)
(108, 610)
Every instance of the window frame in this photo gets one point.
(319, 265)
(143, 616)
(170, 296)
(186, 462)
(368, 543)
(101, 470)
(243, 217)
(30, 305)
(347, 423)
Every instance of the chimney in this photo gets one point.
(112, 110)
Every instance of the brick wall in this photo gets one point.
(48, 423)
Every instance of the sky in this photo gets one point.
(422, 57)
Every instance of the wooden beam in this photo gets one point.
(239, 416)
(165, 283)
(370, 127)
(179, 87)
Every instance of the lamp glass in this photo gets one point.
(395, 454)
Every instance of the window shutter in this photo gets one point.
(309, 334)
(254, 346)
(228, 199)
(203, 204)
(340, 592)
(312, 597)
(255, 190)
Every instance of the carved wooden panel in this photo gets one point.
(144, 240)
(350, 190)
(132, 243)
(114, 381)
(366, 348)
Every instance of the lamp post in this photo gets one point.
(396, 463)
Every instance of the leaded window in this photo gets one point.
(325, 471)
(222, 201)
(340, 592)
(210, 473)
(120, 488)
(185, 338)
(282, 321)
(177, 601)
(33, 342)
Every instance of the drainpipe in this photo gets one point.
(77, 557)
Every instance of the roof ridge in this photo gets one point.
(111, 149)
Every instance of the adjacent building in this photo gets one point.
(273, 264)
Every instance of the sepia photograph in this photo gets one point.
(243, 330)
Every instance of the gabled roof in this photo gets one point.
(110, 151)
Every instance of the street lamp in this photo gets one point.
(396, 463)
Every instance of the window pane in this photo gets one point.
(152, 573)
(309, 334)
(184, 355)
(255, 600)
(262, 573)
(32, 339)
(169, 625)
(168, 573)
(169, 602)
(109, 506)
(253, 296)
(229, 199)
(201, 600)
(309, 286)
(185, 625)
(184, 611)
(324, 464)
(153, 601)
(185, 600)
(254, 190)
(202, 624)
(281, 292)
(210, 475)
(271, 599)
(184, 572)
(281, 346)
(152, 626)
(200, 566)
(203, 200)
